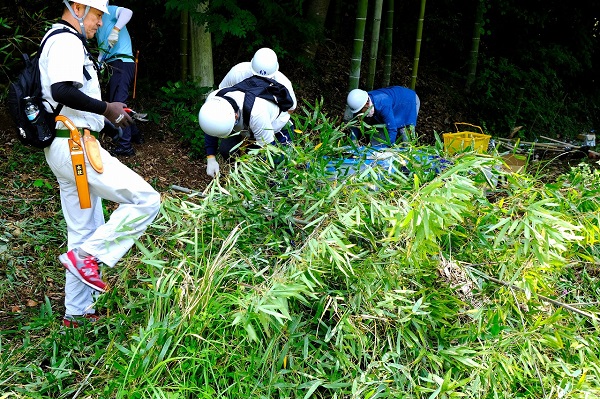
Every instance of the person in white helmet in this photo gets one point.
(221, 119)
(264, 63)
(68, 76)
(395, 107)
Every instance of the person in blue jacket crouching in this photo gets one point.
(394, 108)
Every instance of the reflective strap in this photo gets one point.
(65, 133)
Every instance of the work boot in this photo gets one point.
(120, 151)
(138, 138)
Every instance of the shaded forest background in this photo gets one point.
(537, 64)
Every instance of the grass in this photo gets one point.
(280, 281)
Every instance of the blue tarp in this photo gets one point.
(390, 160)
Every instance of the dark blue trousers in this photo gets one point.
(121, 81)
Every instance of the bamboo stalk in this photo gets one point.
(389, 30)
(542, 297)
(559, 146)
(562, 142)
(375, 29)
(413, 82)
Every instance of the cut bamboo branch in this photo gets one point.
(556, 146)
(542, 297)
(562, 142)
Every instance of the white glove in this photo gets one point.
(212, 166)
(113, 37)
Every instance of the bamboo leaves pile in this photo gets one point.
(283, 279)
(297, 283)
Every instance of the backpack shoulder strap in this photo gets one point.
(265, 88)
(55, 32)
(83, 42)
(59, 107)
(245, 111)
(249, 98)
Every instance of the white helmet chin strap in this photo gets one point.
(87, 9)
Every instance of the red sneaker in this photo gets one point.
(76, 321)
(85, 269)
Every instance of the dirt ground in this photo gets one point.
(164, 160)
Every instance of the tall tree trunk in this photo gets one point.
(359, 39)
(337, 30)
(477, 27)
(201, 46)
(374, 43)
(183, 43)
(389, 31)
(413, 82)
(317, 14)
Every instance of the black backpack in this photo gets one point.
(27, 89)
(265, 88)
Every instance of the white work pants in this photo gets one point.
(138, 203)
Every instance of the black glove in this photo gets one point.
(111, 131)
(115, 113)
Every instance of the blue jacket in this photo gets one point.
(123, 49)
(395, 106)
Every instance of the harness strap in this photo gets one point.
(65, 133)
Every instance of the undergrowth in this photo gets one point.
(299, 274)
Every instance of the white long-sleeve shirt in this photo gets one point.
(243, 70)
(264, 118)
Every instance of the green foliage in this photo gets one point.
(20, 32)
(224, 18)
(278, 23)
(285, 279)
(511, 95)
(183, 101)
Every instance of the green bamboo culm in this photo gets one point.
(374, 43)
(413, 82)
(359, 39)
(202, 71)
(389, 30)
(477, 28)
(183, 43)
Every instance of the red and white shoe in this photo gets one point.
(85, 269)
(76, 321)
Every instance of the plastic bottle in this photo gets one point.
(31, 110)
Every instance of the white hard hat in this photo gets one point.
(357, 99)
(216, 117)
(264, 62)
(101, 5)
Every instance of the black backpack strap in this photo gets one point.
(249, 99)
(265, 88)
(54, 32)
(83, 41)
(248, 86)
(87, 75)
(236, 108)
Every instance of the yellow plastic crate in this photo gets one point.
(466, 141)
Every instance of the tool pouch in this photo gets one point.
(92, 151)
